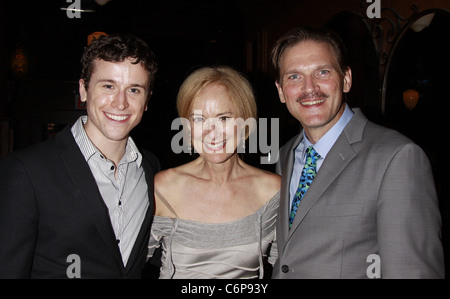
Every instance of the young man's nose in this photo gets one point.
(120, 101)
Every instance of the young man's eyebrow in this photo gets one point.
(113, 81)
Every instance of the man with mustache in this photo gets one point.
(357, 200)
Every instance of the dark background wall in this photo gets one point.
(40, 49)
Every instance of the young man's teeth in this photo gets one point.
(310, 103)
(117, 117)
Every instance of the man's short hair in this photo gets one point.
(300, 34)
(117, 48)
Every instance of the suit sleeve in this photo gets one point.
(18, 219)
(278, 164)
(408, 218)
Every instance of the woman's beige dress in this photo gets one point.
(192, 250)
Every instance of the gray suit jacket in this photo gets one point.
(372, 210)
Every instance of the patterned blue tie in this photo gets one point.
(308, 173)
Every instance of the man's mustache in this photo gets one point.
(311, 95)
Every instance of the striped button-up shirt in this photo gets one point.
(125, 195)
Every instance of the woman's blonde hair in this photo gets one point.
(238, 87)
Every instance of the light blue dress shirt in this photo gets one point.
(322, 147)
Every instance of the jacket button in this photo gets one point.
(285, 269)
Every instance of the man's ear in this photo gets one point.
(280, 92)
(148, 99)
(347, 80)
(82, 90)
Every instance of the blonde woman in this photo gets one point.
(215, 216)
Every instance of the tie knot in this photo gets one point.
(311, 156)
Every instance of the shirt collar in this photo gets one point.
(88, 149)
(132, 152)
(324, 145)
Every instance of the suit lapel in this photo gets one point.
(287, 160)
(144, 233)
(337, 159)
(86, 189)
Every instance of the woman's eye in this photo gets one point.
(224, 118)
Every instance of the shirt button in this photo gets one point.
(112, 167)
(285, 269)
(118, 241)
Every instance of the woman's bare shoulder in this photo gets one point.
(268, 183)
(167, 178)
(169, 187)
(266, 177)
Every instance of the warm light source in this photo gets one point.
(94, 35)
(102, 2)
(422, 22)
(410, 98)
(19, 62)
